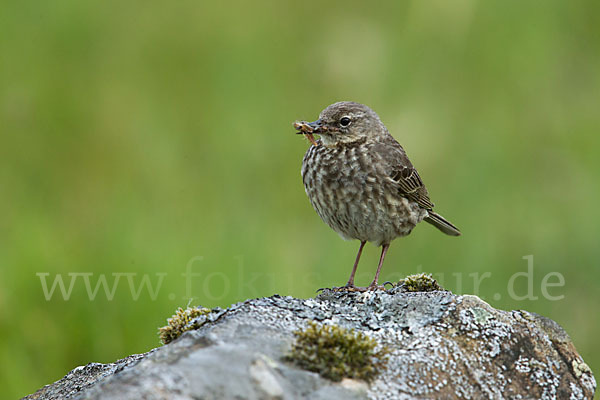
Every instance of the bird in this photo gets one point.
(361, 183)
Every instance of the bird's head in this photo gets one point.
(345, 122)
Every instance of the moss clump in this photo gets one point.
(181, 321)
(337, 353)
(419, 283)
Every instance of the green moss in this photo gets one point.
(181, 321)
(337, 353)
(419, 283)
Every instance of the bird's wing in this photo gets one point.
(401, 171)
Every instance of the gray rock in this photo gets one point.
(442, 346)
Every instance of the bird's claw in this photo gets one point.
(345, 288)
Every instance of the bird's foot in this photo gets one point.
(349, 287)
(374, 286)
(346, 288)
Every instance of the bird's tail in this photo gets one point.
(439, 222)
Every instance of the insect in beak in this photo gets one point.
(307, 129)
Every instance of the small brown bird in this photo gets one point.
(361, 183)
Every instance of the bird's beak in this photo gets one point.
(315, 125)
(304, 127)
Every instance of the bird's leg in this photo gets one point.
(350, 283)
(373, 284)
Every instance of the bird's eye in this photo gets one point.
(345, 121)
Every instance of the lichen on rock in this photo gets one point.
(441, 346)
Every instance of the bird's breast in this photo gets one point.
(353, 196)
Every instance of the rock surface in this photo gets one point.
(441, 346)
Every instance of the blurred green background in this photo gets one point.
(144, 137)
